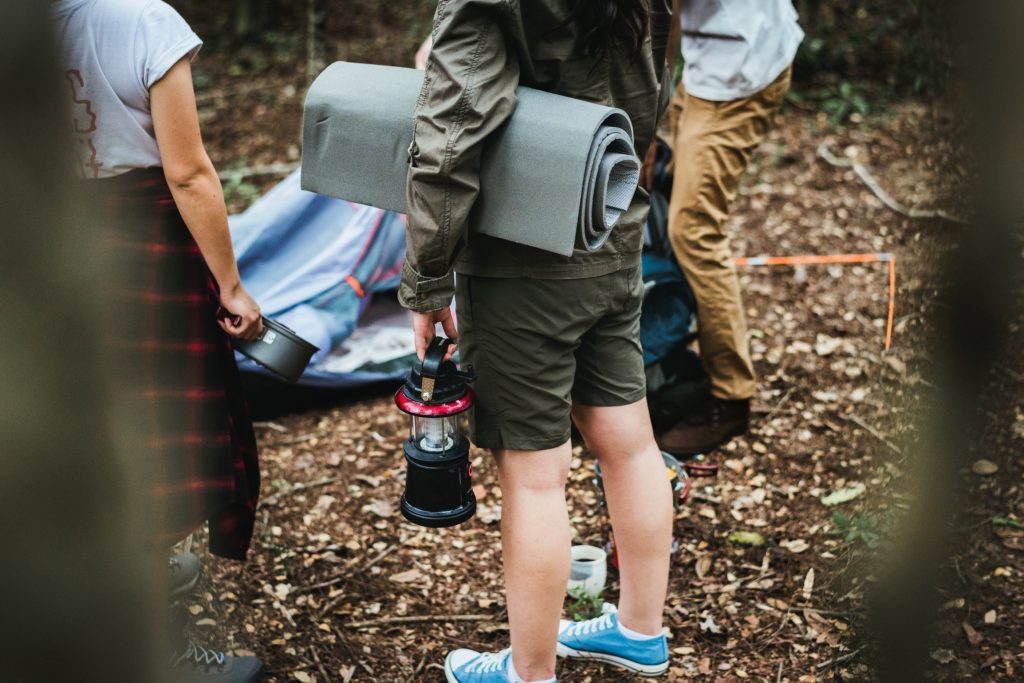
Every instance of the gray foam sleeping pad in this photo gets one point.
(557, 176)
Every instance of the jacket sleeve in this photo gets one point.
(469, 90)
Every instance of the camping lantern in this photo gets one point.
(438, 489)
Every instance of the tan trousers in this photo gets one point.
(712, 143)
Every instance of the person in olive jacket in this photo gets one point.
(553, 339)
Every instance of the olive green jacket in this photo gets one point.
(483, 50)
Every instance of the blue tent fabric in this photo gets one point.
(669, 308)
(313, 263)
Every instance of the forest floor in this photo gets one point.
(339, 587)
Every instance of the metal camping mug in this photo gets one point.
(278, 349)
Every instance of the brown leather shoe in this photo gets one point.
(705, 431)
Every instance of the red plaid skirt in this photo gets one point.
(177, 367)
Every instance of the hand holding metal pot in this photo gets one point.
(438, 488)
(278, 349)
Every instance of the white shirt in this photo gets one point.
(114, 51)
(734, 48)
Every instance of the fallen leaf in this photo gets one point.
(990, 616)
(973, 637)
(702, 566)
(808, 586)
(797, 545)
(841, 496)
(302, 677)
(409, 576)
(707, 624)
(984, 467)
(826, 346)
(747, 538)
(943, 656)
(896, 364)
(369, 480)
(380, 507)
(826, 396)
(346, 673)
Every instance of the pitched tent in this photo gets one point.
(314, 263)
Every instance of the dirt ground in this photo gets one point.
(340, 588)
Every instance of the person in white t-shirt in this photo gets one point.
(737, 62)
(178, 296)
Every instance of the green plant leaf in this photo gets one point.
(841, 520)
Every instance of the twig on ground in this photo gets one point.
(298, 439)
(778, 406)
(417, 670)
(270, 425)
(319, 664)
(865, 175)
(285, 613)
(778, 676)
(839, 660)
(347, 573)
(873, 432)
(301, 486)
(420, 619)
(1010, 372)
(705, 498)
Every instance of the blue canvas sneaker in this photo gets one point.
(600, 640)
(470, 666)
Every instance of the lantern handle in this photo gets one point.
(434, 357)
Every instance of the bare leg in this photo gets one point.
(535, 542)
(640, 503)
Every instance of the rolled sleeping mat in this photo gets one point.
(557, 176)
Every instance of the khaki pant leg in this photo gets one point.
(713, 143)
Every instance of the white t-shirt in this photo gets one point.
(114, 51)
(734, 48)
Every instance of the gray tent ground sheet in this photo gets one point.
(557, 176)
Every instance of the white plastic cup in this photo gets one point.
(588, 571)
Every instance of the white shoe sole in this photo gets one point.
(448, 673)
(646, 670)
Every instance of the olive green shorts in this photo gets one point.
(540, 345)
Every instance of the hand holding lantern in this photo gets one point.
(438, 488)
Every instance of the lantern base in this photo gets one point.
(444, 518)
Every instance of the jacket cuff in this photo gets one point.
(424, 294)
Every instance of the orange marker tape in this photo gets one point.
(829, 259)
(354, 284)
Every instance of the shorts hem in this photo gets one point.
(609, 401)
(540, 443)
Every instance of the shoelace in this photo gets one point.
(488, 662)
(582, 628)
(197, 655)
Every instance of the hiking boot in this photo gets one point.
(601, 640)
(708, 429)
(184, 570)
(470, 666)
(193, 663)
